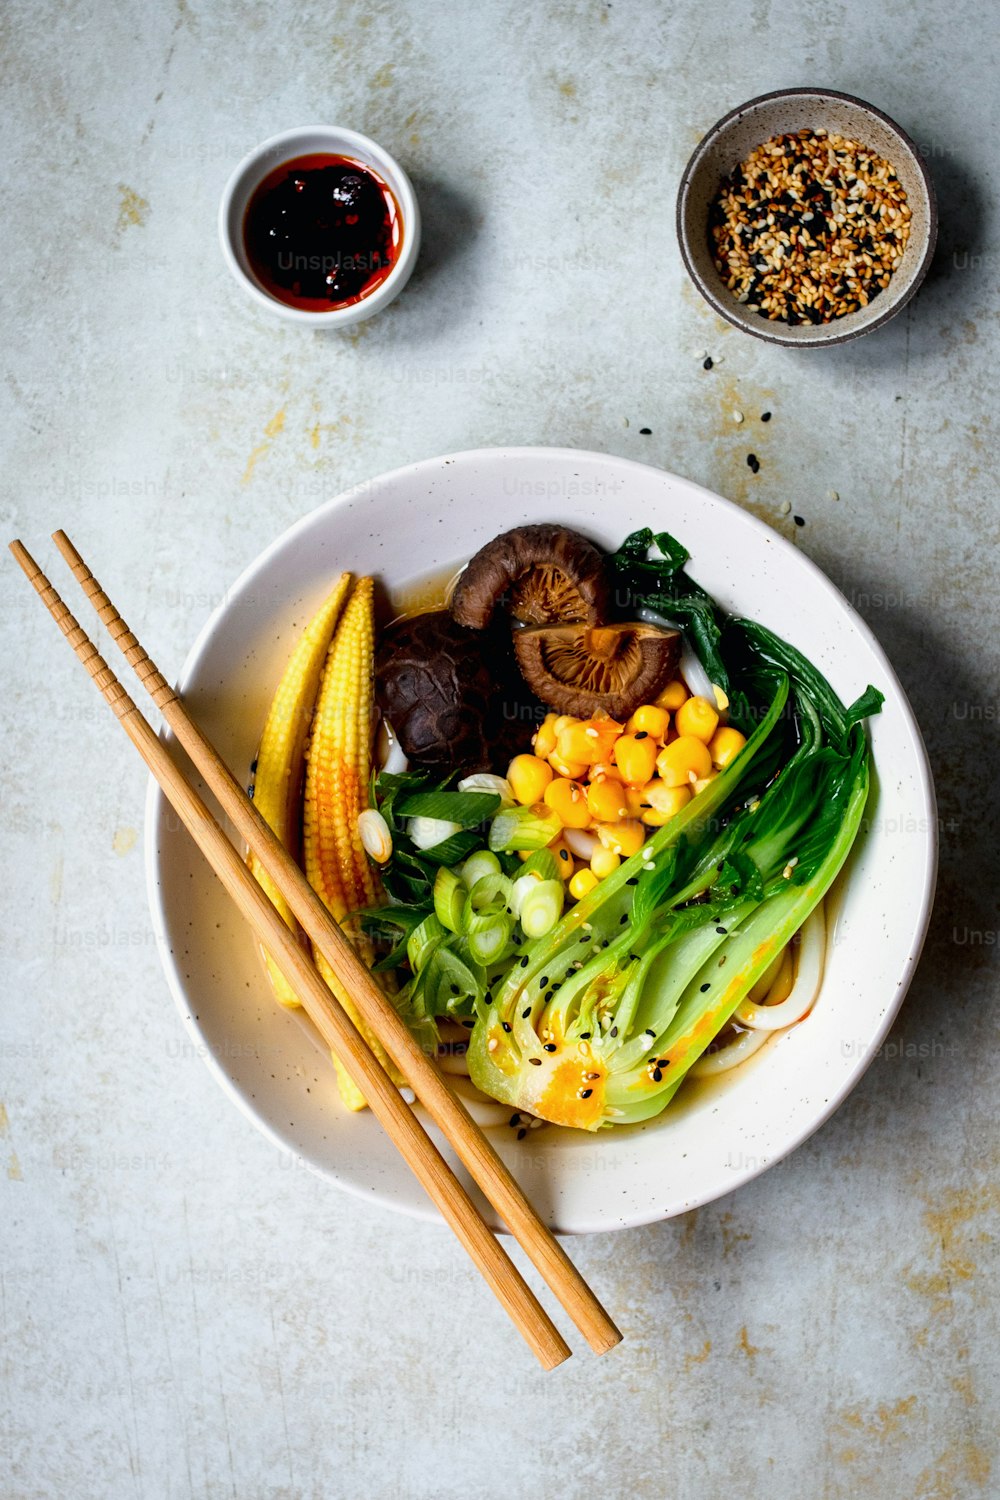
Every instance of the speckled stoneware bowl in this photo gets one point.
(782, 113)
(429, 518)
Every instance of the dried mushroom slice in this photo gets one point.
(547, 573)
(581, 669)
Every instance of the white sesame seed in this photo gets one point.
(737, 416)
(833, 495)
(698, 354)
(491, 1045)
(408, 1096)
(785, 508)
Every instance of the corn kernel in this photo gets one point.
(635, 757)
(528, 776)
(564, 858)
(571, 769)
(604, 862)
(635, 801)
(605, 770)
(685, 760)
(663, 802)
(606, 800)
(697, 717)
(674, 694)
(568, 801)
(652, 719)
(544, 739)
(725, 745)
(625, 838)
(582, 883)
(587, 740)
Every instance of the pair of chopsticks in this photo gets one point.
(337, 1029)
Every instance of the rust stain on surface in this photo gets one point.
(884, 1422)
(731, 1237)
(950, 1224)
(271, 431)
(950, 1475)
(744, 1342)
(700, 1357)
(132, 208)
(124, 840)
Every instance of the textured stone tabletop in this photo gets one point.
(183, 1312)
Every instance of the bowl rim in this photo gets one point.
(717, 303)
(416, 472)
(267, 155)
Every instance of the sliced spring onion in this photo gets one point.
(426, 832)
(542, 864)
(449, 899)
(480, 865)
(541, 908)
(517, 828)
(519, 890)
(486, 781)
(423, 941)
(488, 934)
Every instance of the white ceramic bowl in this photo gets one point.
(304, 141)
(712, 1138)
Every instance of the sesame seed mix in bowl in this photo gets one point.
(809, 227)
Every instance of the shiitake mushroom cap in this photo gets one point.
(581, 669)
(453, 696)
(544, 572)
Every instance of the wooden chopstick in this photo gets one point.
(385, 1100)
(474, 1150)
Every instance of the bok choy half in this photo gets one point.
(598, 1022)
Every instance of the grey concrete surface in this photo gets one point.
(183, 1313)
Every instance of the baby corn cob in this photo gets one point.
(338, 765)
(281, 757)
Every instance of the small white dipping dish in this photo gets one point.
(310, 140)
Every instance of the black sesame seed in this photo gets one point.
(586, 1093)
(549, 994)
(721, 931)
(564, 854)
(548, 1046)
(642, 734)
(708, 362)
(645, 432)
(799, 520)
(587, 938)
(515, 1119)
(632, 880)
(614, 1031)
(705, 987)
(657, 1076)
(525, 961)
(753, 463)
(536, 1062)
(585, 1036)
(526, 1013)
(543, 981)
(765, 416)
(506, 1025)
(521, 1133)
(623, 919)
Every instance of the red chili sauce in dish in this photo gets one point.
(322, 232)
